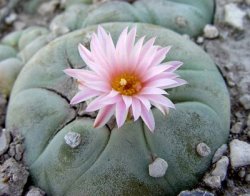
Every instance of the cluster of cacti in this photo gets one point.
(15, 50)
(115, 162)
(182, 16)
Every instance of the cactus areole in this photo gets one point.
(108, 160)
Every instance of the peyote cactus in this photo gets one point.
(111, 161)
(15, 50)
(182, 16)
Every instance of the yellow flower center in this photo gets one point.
(127, 84)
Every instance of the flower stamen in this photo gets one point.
(127, 84)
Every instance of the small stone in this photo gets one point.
(12, 150)
(210, 31)
(196, 192)
(19, 152)
(245, 101)
(248, 120)
(239, 153)
(200, 40)
(158, 168)
(4, 141)
(34, 191)
(48, 8)
(11, 18)
(234, 16)
(203, 149)
(19, 25)
(247, 178)
(219, 153)
(248, 2)
(13, 177)
(58, 30)
(212, 181)
(236, 128)
(73, 139)
(221, 168)
(242, 173)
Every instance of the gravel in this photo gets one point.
(219, 153)
(239, 153)
(13, 177)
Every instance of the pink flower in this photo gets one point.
(125, 79)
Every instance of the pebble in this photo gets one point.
(19, 149)
(48, 8)
(234, 16)
(203, 149)
(236, 128)
(245, 101)
(219, 153)
(247, 178)
(13, 177)
(58, 30)
(212, 181)
(221, 168)
(34, 191)
(196, 192)
(4, 141)
(11, 18)
(210, 31)
(248, 120)
(239, 153)
(158, 168)
(242, 173)
(73, 139)
(200, 40)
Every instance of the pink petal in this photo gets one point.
(127, 100)
(161, 82)
(98, 86)
(136, 108)
(103, 100)
(131, 39)
(156, 70)
(144, 102)
(84, 95)
(121, 48)
(179, 82)
(161, 99)
(96, 104)
(121, 113)
(160, 55)
(174, 65)
(148, 118)
(104, 115)
(162, 108)
(136, 52)
(152, 90)
(81, 74)
(87, 57)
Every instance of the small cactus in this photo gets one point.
(111, 161)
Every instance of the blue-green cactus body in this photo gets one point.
(115, 162)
